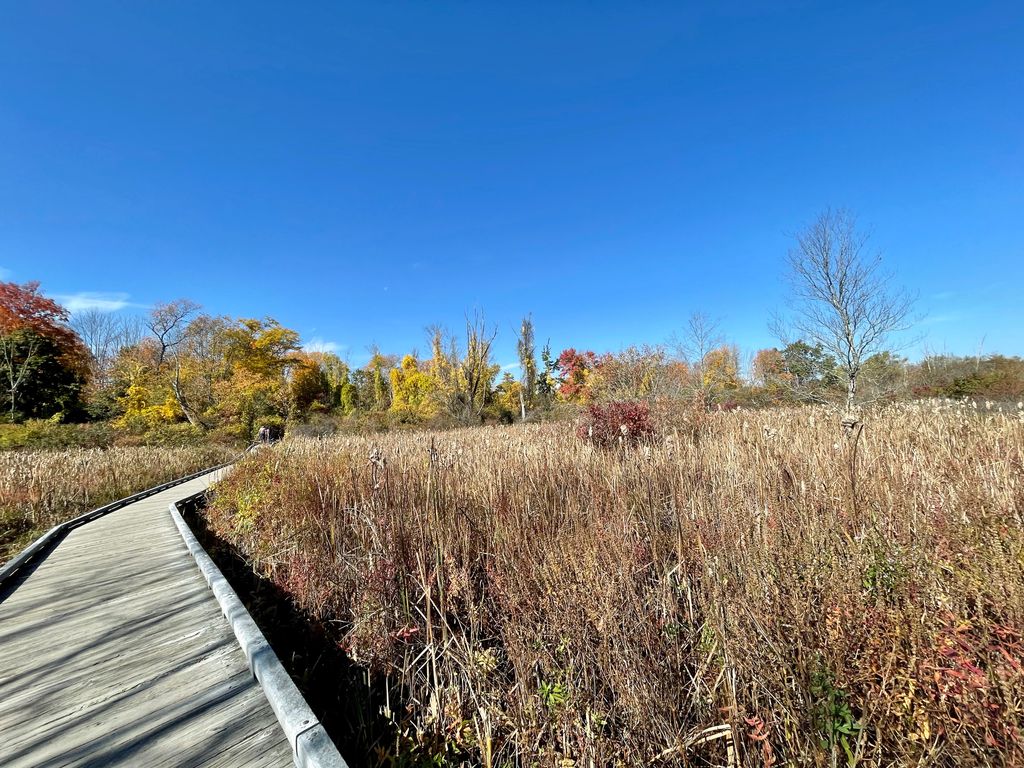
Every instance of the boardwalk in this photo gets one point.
(114, 652)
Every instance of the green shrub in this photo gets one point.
(42, 433)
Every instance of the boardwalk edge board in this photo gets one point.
(43, 543)
(311, 746)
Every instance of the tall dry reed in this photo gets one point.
(39, 489)
(723, 596)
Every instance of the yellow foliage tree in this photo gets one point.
(769, 370)
(508, 394)
(138, 412)
(247, 398)
(262, 347)
(308, 388)
(721, 370)
(412, 390)
(258, 352)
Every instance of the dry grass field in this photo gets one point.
(730, 594)
(39, 489)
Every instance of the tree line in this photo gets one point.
(179, 365)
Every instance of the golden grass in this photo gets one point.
(39, 489)
(722, 596)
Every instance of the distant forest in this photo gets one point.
(181, 373)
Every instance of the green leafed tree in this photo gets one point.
(547, 381)
(40, 381)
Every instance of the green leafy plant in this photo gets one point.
(833, 719)
(884, 573)
(552, 694)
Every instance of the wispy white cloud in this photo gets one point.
(948, 317)
(5, 274)
(510, 366)
(101, 301)
(943, 295)
(316, 344)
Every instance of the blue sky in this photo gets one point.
(360, 171)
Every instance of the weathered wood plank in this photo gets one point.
(114, 652)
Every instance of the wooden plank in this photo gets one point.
(259, 749)
(132, 703)
(115, 653)
(103, 674)
(119, 732)
(79, 599)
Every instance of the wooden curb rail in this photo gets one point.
(311, 746)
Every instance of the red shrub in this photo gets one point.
(619, 423)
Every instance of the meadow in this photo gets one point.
(39, 489)
(744, 588)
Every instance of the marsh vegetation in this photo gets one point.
(39, 489)
(736, 589)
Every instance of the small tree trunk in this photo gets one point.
(854, 433)
(522, 406)
(179, 395)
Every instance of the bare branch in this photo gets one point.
(167, 323)
(841, 300)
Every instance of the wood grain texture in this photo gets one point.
(113, 651)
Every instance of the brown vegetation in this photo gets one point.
(39, 489)
(718, 596)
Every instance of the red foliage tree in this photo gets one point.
(24, 308)
(27, 319)
(575, 367)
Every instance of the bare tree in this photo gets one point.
(477, 371)
(841, 299)
(701, 336)
(131, 331)
(98, 331)
(167, 323)
(105, 334)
